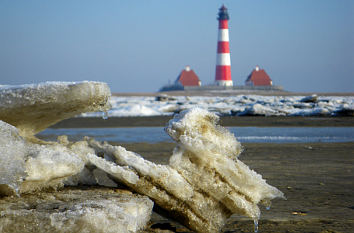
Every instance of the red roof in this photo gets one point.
(188, 78)
(258, 77)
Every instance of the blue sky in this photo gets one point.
(138, 46)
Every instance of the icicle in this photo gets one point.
(255, 225)
(17, 191)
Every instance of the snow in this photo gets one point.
(234, 105)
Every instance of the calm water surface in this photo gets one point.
(243, 134)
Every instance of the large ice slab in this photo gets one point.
(24, 165)
(76, 210)
(34, 107)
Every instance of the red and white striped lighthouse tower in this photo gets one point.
(223, 61)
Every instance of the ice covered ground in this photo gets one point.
(235, 105)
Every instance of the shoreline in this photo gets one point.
(244, 121)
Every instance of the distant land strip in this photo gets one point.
(244, 121)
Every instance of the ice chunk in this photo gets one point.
(85, 177)
(197, 131)
(260, 110)
(32, 108)
(247, 186)
(74, 210)
(25, 166)
(48, 162)
(12, 159)
(123, 173)
(310, 99)
(168, 189)
(102, 178)
(205, 182)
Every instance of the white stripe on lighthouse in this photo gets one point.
(223, 59)
(223, 35)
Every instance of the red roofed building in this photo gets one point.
(188, 78)
(258, 77)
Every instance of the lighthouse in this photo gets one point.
(223, 61)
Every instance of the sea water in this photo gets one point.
(243, 134)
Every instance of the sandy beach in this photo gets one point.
(317, 179)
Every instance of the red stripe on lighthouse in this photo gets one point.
(223, 24)
(223, 73)
(223, 47)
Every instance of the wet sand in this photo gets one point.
(317, 179)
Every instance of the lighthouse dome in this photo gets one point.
(223, 14)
